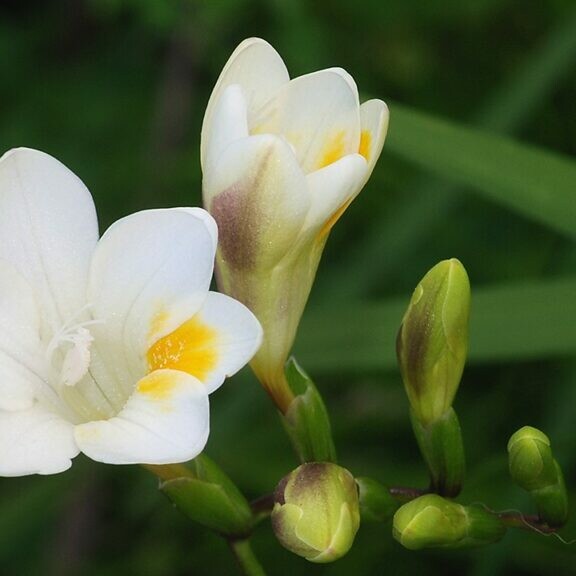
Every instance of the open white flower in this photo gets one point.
(108, 347)
(282, 159)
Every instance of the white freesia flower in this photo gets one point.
(108, 347)
(282, 159)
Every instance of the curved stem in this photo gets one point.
(245, 558)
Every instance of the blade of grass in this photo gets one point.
(509, 323)
(530, 181)
(429, 202)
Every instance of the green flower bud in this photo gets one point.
(376, 502)
(431, 521)
(316, 512)
(533, 468)
(432, 343)
(530, 459)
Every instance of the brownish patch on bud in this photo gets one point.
(413, 340)
(237, 227)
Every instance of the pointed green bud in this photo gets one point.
(432, 343)
(209, 497)
(376, 502)
(431, 521)
(316, 512)
(533, 468)
(306, 418)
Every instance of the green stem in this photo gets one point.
(245, 557)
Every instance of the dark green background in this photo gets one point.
(116, 89)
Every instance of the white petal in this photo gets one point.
(35, 441)
(318, 114)
(220, 339)
(230, 123)
(166, 420)
(258, 195)
(374, 117)
(48, 229)
(151, 271)
(20, 344)
(206, 219)
(258, 69)
(332, 189)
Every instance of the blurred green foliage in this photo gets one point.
(116, 90)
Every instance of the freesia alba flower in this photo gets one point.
(282, 159)
(108, 347)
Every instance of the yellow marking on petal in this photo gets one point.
(157, 386)
(333, 219)
(365, 144)
(190, 348)
(334, 150)
(159, 322)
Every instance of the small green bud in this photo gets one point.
(376, 502)
(431, 521)
(316, 512)
(530, 459)
(432, 343)
(533, 468)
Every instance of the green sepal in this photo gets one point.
(209, 497)
(306, 420)
(442, 448)
(376, 502)
(483, 527)
(552, 501)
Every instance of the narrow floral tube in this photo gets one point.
(108, 346)
(282, 159)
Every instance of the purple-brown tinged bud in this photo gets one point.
(316, 512)
(432, 343)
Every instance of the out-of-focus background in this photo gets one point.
(116, 89)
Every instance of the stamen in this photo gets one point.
(77, 339)
(77, 358)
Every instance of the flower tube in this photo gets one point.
(108, 347)
(282, 159)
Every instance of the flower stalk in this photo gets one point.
(245, 557)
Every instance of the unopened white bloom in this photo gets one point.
(108, 347)
(282, 159)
